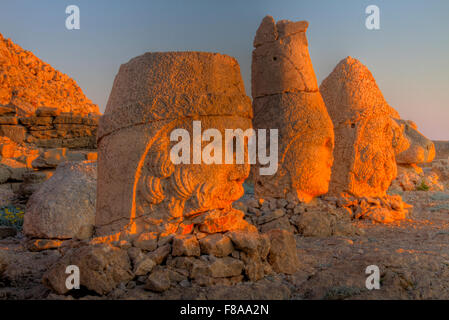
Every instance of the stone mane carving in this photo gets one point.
(139, 188)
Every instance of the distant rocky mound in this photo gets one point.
(27, 83)
(45, 120)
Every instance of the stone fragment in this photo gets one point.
(160, 254)
(222, 221)
(47, 112)
(225, 267)
(36, 245)
(146, 241)
(158, 281)
(144, 266)
(185, 245)
(102, 268)
(270, 216)
(283, 255)
(64, 203)
(51, 158)
(281, 223)
(250, 242)
(314, 224)
(217, 245)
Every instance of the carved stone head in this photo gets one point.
(286, 97)
(140, 188)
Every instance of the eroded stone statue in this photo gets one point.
(367, 139)
(286, 97)
(139, 188)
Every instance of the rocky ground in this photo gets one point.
(413, 257)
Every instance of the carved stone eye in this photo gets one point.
(275, 58)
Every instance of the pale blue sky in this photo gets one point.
(409, 56)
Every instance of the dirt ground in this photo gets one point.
(413, 258)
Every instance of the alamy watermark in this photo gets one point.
(372, 21)
(72, 22)
(245, 143)
(373, 280)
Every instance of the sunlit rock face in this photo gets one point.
(139, 187)
(286, 97)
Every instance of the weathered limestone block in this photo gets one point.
(364, 153)
(139, 188)
(64, 204)
(286, 98)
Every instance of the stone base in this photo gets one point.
(195, 258)
(324, 216)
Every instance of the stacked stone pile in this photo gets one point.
(178, 261)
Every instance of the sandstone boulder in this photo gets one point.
(64, 204)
